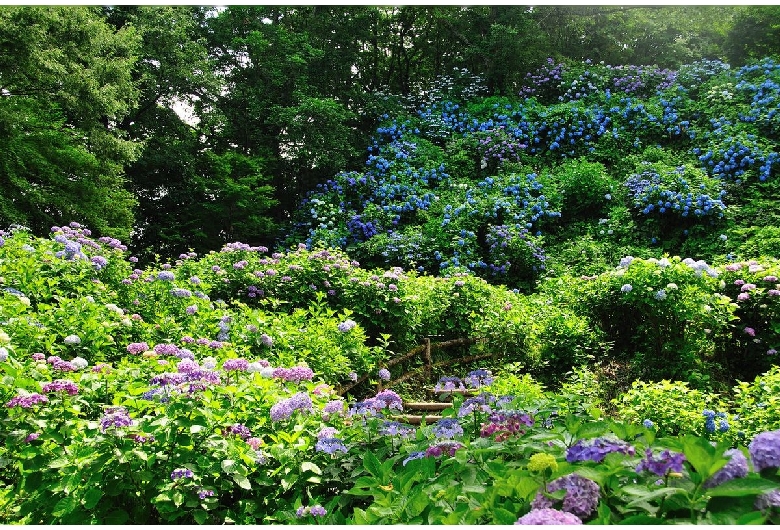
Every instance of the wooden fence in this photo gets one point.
(425, 351)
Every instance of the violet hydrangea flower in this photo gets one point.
(27, 401)
(447, 428)
(548, 516)
(596, 450)
(736, 467)
(389, 399)
(347, 325)
(295, 374)
(181, 473)
(384, 374)
(449, 383)
(581, 498)
(331, 446)
(478, 378)
(663, 464)
(235, 365)
(115, 417)
(765, 450)
(61, 385)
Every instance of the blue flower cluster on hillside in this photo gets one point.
(439, 179)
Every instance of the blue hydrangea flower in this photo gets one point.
(447, 428)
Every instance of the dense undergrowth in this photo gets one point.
(607, 247)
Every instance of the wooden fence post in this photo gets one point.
(428, 358)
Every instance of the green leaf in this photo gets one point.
(242, 482)
(64, 506)
(311, 466)
(373, 466)
(200, 516)
(642, 519)
(742, 487)
(91, 498)
(228, 466)
(59, 463)
(504, 516)
(417, 503)
(752, 518)
(645, 495)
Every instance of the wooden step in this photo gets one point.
(436, 407)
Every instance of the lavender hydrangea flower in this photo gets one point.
(765, 450)
(478, 378)
(166, 349)
(265, 339)
(61, 385)
(27, 401)
(736, 467)
(394, 428)
(448, 447)
(597, 449)
(115, 417)
(333, 407)
(331, 446)
(548, 516)
(481, 403)
(240, 430)
(347, 325)
(137, 347)
(384, 374)
(663, 464)
(447, 428)
(327, 432)
(202, 494)
(165, 276)
(181, 473)
(449, 383)
(581, 498)
(235, 365)
(769, 500)
(318, 511)
(295, 374)
(3, 354)
(389, 399)
(285, 408)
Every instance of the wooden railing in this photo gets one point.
(425, 352)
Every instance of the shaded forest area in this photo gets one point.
(281, 98)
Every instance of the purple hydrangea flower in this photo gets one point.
(384, 374)
(666, 462)
(240, 430)
(347, 325)
(448, 446)
(478, 378)
(137, 347)
(481, 403)
(265, 339)
(165, 276)
(202, 494)
(181, 473)
(736, 467)
(235, 365)
(331, 446)
(294, 374)
(581, 498)
(27, 401)
(449, 383)
(769, 500)
(333, 407)
(596, 450)
(285, 408)
(166, 349)
(318, 511)
(61, 385)
(447, 428)
(765, 450)
(394, 428)
(115, 417)
(549, 516)
(327, 432)
(389, 399)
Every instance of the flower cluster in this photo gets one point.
(285, 408)
(115, 417)
(665, 462)
(765, 450)
(331, 446)
(27, 401)
(506, 424)
(736, 467)
(548, 516)
(581, 498)
(596, 450)
(478, 378)
(295, 374)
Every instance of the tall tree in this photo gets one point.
(65, 84)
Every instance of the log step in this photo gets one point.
(427, 406)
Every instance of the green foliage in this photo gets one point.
(673, 407)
